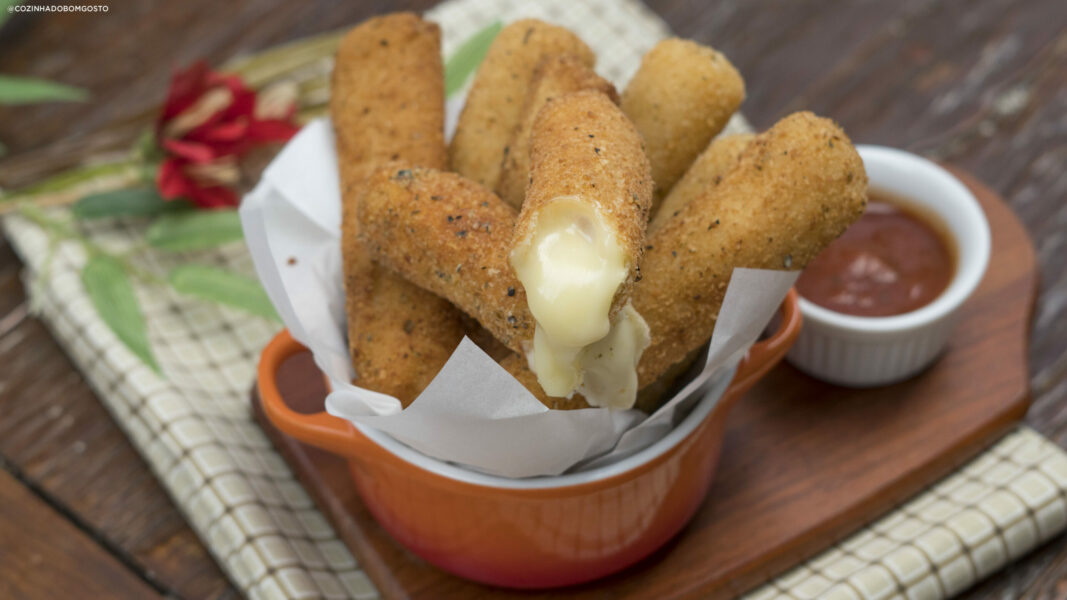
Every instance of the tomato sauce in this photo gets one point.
(893, 260)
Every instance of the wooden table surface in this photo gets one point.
(981, 84)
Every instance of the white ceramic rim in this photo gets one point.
(712, 391)
(971, 266)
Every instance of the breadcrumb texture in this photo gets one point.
(388, 104)
(554, 76)
(794, 190)
(682, 95)
(583, 145)
(705, 173)
(494, 103)
(448, 235)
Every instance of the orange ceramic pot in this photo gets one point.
(538, 532)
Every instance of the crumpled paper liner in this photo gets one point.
(473, 413)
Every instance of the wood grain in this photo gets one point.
(56, 434)
(802, 466)
(979, 83)
(37, 540)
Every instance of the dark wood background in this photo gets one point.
(980, 84)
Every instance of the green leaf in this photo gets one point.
(194, 230)
(224, 287)
(112, 294)
(132, 202)
(468, 56)
(24, 90)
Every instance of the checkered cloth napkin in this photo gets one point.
(194, 427)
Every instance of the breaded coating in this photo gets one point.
(553, 77)
(448, 235)
(583, 146)
(495, 100)
(705, 173)
(682, 95)
(485, 340)
(578, 242)
(794, 190)
(387, 104)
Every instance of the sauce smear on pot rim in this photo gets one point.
(893, 260)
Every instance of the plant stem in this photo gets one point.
(58, 230)
(68, 187)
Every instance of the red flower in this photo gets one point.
(209, 121)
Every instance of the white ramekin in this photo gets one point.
(870, 351)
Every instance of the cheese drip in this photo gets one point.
(609, 366)
(571, 266)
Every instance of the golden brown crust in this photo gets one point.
(388, 104)
(448, 235)
(500, 86)
(705, 173)
(553, 77)
(794, 190)
(388, 95)
(484, 339)
(682, 95)
(583, 145)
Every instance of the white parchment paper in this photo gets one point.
(473, 413)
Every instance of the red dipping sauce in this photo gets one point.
(891, 261)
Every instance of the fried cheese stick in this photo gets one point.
(682, 95)
(553, 77)
(387, 103)
(578, 241)
(705, 173)
(496, 97)
(795, 189)
(448, 235)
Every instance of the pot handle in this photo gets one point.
(764, 355)
(320, 429)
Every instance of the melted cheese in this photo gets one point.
(571, 265)
(609, 366)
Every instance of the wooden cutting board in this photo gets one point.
(804, 462)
